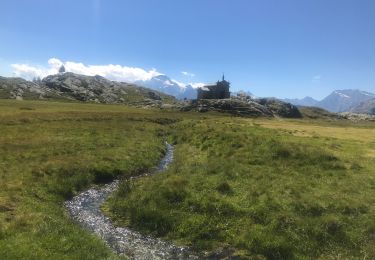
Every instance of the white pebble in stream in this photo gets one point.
(85, 209)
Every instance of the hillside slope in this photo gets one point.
(366, 107)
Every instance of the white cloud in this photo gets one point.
(193, 84)
(26, 71)
(180, 84)
(110, 71)
(189, 74)
(197, 84)
(55, 63)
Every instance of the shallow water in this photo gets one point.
(85, 209)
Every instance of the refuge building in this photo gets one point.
(218, 91)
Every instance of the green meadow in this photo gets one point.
(257, 188)
(50, 151)
(263, 189)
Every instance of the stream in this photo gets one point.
(85, 210)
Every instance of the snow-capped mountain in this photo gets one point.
(344, 100)
(166, 85)
(338, 101)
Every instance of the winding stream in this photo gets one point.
(85, 209)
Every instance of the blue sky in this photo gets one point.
(270, 48)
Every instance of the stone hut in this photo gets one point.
(218, 91)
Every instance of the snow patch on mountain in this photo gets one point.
(172, 87)
(341, 94)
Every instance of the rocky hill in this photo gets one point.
(70, 86)
(18, 88)
(247, 108)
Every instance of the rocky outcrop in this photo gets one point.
(247, 108)
(70, 86)
(101, 90)
(18, 88)
(358, 117)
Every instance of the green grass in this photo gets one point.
(261, 192)
(50, 151)
(261, 188)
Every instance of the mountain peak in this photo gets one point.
(345, 99)
(169, 86)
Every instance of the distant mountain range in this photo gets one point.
(339, 101)
(168, 86)
(159, 88)
(306, 101)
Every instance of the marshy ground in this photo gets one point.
(265, 188)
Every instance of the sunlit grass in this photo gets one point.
(49, 151)
(262, 192)
(260, 187)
